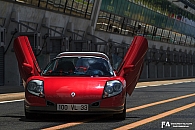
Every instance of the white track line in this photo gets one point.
(141, 86)
(163, 84)
(167, 84)
(11, 101)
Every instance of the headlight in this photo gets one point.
(112, 88)
(36, 87)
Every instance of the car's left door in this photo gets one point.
(132, 64)
(27, 63)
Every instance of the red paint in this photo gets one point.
(134, 61)
(25, 57)
(58, 89)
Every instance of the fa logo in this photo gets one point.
(165, 124)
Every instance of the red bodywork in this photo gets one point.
(27, 62)
(88, 89)
(132, 64)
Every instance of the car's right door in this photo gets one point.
(27, 62)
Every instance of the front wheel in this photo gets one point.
(29, 115)
(121, 116)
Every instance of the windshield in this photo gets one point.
(78, 66)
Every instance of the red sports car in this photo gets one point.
(79, 82)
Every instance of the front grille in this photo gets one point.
(95, 104)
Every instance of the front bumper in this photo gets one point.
(91, 110)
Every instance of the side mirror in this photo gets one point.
(129, 68)
(27, 68)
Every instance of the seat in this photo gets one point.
(99, 66)
(66, 66)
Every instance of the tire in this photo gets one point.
(30, 115)
(121, 116)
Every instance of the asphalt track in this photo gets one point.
(152, 106)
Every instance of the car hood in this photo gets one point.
(74, 89)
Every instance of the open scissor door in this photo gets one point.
(27, 62)
(132, 64)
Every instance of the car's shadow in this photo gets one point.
(55, 118)
(69, 118)
(82, 118)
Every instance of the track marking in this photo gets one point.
(187, 81)
(141, 87)
(11, 101)
(155, 85)
(74, 123)
(167, 84)
(179, 83)
(156, 117)
(128, 110)
(160, 102)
